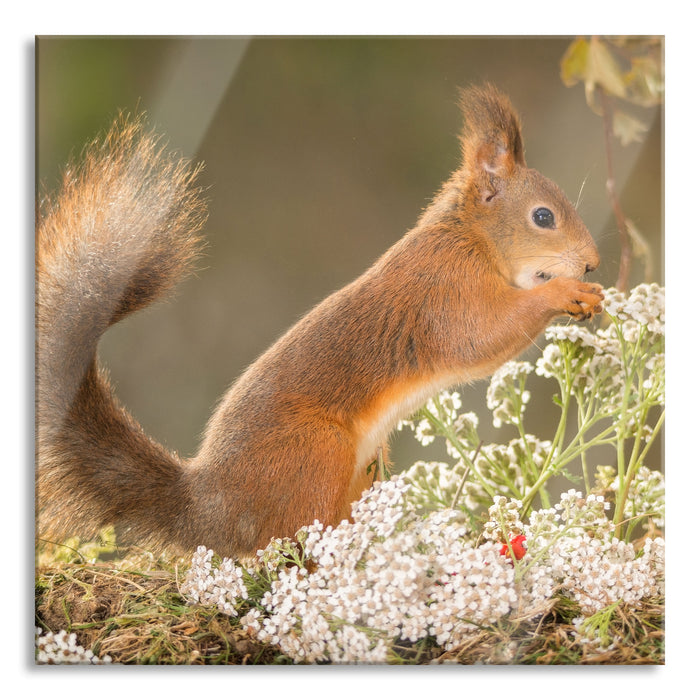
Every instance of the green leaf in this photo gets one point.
(573, 63)
(591, 62)
(603, 70)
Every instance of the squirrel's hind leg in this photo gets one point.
(285, 483)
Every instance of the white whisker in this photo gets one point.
(580, 192)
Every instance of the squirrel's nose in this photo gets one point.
(594, 261)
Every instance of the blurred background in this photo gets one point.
(320, 153)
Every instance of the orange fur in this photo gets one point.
(468, 288)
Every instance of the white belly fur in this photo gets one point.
(375, 428)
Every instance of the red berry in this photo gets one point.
(517, 544)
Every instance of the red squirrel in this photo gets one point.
(497, 255)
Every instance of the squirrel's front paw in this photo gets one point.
(580, 300)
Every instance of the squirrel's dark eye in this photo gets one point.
(543, 217)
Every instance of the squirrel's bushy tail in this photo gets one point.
(121, 232)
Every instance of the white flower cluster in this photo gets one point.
(646, 497)
(504, 519)
(506, 395)
(222, 586)
(645, 305)
(579, 335)
(596, 356)
(390, 575)
(572, 550)
(445, 407)
(597, 573)
(447, 404)
(435, 484)
(394, 574)
(503, 464)
(600, 364)
(62, 648)
(573, 515)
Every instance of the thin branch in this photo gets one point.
(625, 240)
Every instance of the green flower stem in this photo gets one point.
(504, 479)
(563, 420)
(554, 464)
(530, 496)
(547, 469)
(530, 466)
(522, 569)
(565, 392)
(636, 460)
(574, 448)
(577, 447)
(458, 493)
(582, 419)
(634, 521)
(587, 418)
(625, 469)
(652, 437)
(446, 431)
(584, 468)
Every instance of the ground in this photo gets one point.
(131, 609)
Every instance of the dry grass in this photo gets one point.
(131, 609)
(551, 641)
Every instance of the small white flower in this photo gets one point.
(62, 648)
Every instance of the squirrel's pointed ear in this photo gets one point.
(492, 144)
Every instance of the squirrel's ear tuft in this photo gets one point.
(491, 138)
